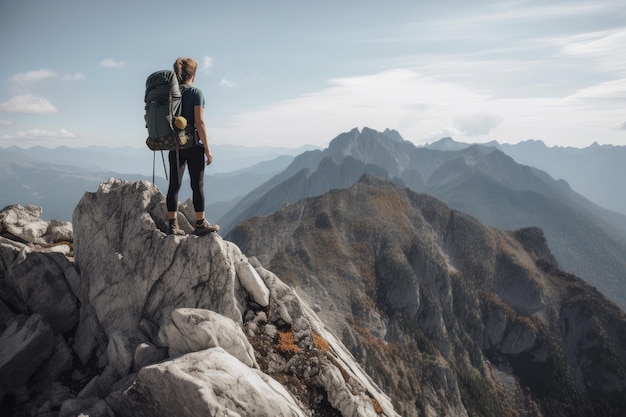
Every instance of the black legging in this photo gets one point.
(193, 158)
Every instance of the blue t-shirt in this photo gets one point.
(191, 98)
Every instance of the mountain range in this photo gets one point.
(585, 238)
(482, 180)
(55, 179)
(595, 171)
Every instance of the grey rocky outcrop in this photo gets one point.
(450, 316)
(129, 321)
(209, 382)
(193, 330)
(37, 303)
(24, 223)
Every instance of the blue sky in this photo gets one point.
(289, 72)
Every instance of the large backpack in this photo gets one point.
(166, 127)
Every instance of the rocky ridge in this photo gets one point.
(449, 316)
(127, 321)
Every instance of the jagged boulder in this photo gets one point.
(253, 284)
(37, 302)
(209, 382)
(121, 350)
(24, 223)
(35, 282)
(136, 271)
(192, 330)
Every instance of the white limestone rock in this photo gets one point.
(192, 330)
(25, 223)
(253, 283)
(136, 271)
(210, 383)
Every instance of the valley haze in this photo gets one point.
(595, 171)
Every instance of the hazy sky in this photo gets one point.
(289, 72)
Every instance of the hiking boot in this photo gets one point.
(174, 229)
(205, 228)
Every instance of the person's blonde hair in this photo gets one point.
(185, 69)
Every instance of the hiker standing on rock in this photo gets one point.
(194, 157)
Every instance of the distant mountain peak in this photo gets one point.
(596, 145)
(367, 132)
(531, 143)
(445, 141)
(393, 135)
(447, 144)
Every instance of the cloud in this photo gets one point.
(39, 137)
(611, 91)
(604, 49)
(28, 103)
(423, 109)
(33, 76)
(77, 76)
(548, 11)
(111, 63)
(207, 63)
(44, 134)
(476, 124)
(401, 99)
(623, 126)
(509, 13)
(42, 74)
(225, 83)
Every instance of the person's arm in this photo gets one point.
(198, 113)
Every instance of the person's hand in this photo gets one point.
(209, 157)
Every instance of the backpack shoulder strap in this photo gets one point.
(187, 99)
